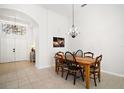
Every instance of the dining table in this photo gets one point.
(86, 62)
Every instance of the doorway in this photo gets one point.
(17, 47)
(13, 47)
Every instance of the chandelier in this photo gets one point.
(73, 32)
(10, 28)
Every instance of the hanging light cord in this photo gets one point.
(73, 15)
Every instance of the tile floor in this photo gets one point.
(24, 75)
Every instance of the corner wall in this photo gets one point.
(102, 32)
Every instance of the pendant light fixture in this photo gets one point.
(73, 30)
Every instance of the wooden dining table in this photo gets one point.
(86, 62)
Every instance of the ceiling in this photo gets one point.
(63, 9)
(15, 16)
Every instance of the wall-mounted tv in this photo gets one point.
(58, 42)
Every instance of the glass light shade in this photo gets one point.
(73, 31)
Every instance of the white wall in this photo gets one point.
(57, 27)
(49, 24)
(102, 32)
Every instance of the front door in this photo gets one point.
(21, 52)
(13, 50)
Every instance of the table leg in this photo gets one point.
(87, 69)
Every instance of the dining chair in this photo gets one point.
(95, 69)
(88, 54)
(73, 66)
(79, 53)
(60, 64)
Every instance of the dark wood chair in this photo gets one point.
(79, 53)
(95, 69)
(73, 66)
(89, 54)
(60, 63)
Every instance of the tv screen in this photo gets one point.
(58, 42)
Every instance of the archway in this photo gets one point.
(11, 15)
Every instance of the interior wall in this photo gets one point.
(57, 26)
(102, 32)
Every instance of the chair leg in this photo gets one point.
(62, 71)
(99, 76)
(94, 74)
(74, 77)
(82, 75)
(57, 69)
(67, 75)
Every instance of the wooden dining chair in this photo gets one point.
(95, 69)
(89, 54)
(73, 66)
(60, 63)
(79, 53)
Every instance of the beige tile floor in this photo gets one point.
(24, 75)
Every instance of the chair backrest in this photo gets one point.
(59, 56)
(88, 54)
(70, 59)
(98, 60)
(79, 53)
(60, 52)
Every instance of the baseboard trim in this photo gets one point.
(15, 61)
(43, 67)
(112, 73)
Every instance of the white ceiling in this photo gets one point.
(63, 9)
(13, 15)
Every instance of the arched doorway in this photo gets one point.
(16, 47)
